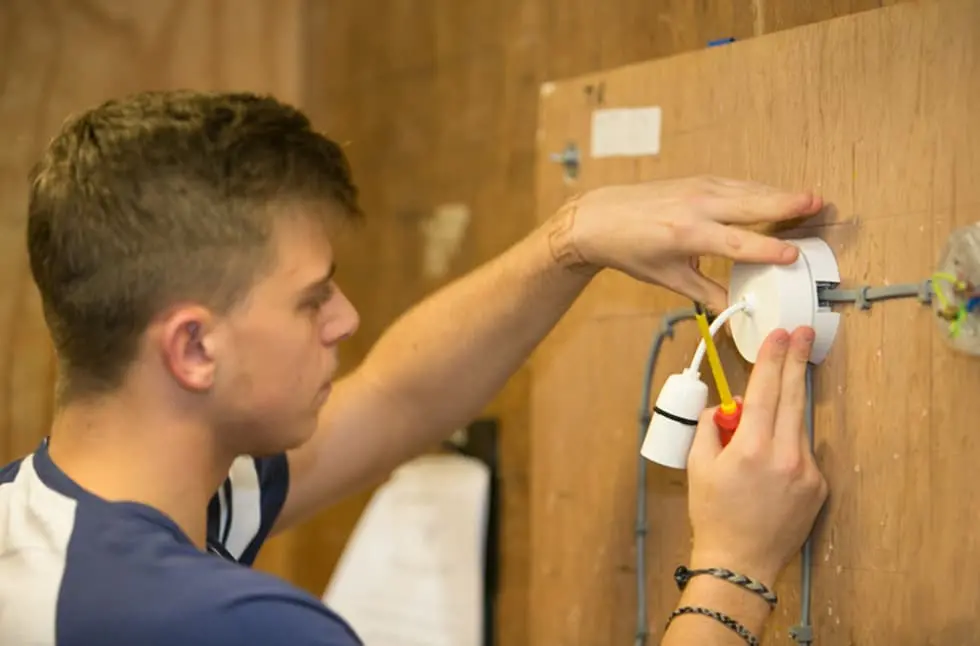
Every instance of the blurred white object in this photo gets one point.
(412, 573)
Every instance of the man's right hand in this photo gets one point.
(753, 503)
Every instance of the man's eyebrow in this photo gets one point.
(320, 283)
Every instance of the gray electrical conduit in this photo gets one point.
(666, 331)
(863, 296)
(802, 633)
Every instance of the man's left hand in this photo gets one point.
(657, 231)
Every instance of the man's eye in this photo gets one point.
(320, 296)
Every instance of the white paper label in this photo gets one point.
(626, 132)
(443, 232)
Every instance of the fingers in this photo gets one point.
(763, 390)
(747, 203)
(707, 440)
(789, 431)
(708, 237)
(729, 186)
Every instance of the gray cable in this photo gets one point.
(802, 633)
(862, 297)
(666, 331)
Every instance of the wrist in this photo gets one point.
(765, 573)
(728, 602)
(565, 252)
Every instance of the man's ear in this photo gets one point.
(188, 344)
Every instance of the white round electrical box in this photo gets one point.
(785, 296)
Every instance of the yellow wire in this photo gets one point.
(954, 325)
(721, 383)
(955, 282)
(938, 292)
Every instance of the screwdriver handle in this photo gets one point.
(727, 422)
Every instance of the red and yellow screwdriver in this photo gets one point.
(729, 413)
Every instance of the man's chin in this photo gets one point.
(287, 437)
(303, 432)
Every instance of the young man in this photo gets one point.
(181, 246)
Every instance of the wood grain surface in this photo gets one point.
(877, 112)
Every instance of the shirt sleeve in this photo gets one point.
(286, 619)
(241, 514)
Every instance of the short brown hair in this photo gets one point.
(162, 196)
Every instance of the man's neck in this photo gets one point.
(122, 451)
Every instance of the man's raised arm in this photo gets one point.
(441, 363)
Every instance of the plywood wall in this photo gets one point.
(876, 111)
(438, 103)
(57, 57)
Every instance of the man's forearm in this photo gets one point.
(435, 369)
(745, 607)
(446, 358)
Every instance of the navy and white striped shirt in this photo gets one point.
(77, 570)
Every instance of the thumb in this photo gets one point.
(707, 439)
